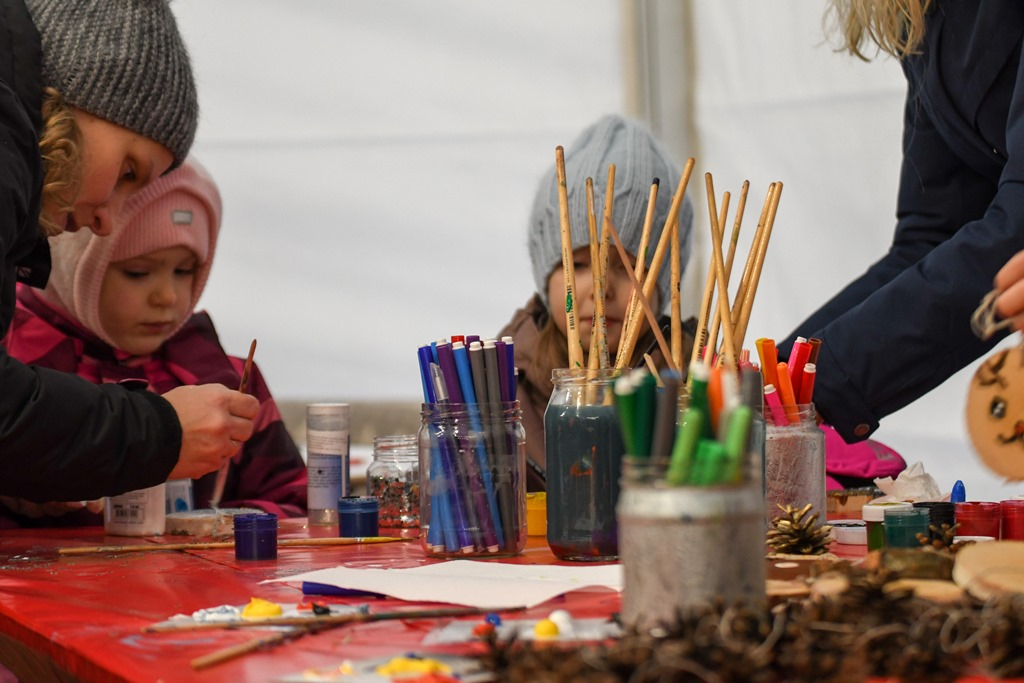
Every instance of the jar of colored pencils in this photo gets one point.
(472, 461)
(584, 450)
(794, 453)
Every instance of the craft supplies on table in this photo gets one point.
(393, 477)
(136, 513)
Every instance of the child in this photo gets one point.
(538, 330)
(97, 99)
(121, 307)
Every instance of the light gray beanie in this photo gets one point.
(638, 159)
(123, 61)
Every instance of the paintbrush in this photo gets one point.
(316, 624)
(222, 473)
(213, 545)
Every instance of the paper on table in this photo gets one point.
(465, 582)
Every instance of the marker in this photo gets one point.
(815, 348)
(785, 389)
(685, 448)
(736, 439)
(699, 374)
(513, 377)
(459, 512)
(624, 394)
(769, 361)
(666, 412)
(777, 412)
(807, 383)
(797, 360)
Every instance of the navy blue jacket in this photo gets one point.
(61, 437)
(903, 327)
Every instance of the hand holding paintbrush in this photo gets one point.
(222, 473)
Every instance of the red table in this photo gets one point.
(66, 617)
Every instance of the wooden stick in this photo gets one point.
(723, 293)
(741, 291)
(701, 340)
(212, 545)
(676, 321)
(651, 280)
(642, 298)
(609, 202)
(572, 333)
(593, 356)
(222, 473)
(316, 624)
(748, 299)
(641, 259)
(716, 317)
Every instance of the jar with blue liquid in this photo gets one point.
(584, 451)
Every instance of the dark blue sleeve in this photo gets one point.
(903, 327)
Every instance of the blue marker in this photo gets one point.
(959, 493)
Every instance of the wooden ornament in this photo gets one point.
(989, 569)
(995, 413)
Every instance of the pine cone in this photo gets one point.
(797, 532)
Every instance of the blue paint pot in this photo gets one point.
(255, 537)
(358, 516)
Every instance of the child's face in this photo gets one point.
(116, 162)
(146, 298)
(616, 297)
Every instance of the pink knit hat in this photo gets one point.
(182, 208)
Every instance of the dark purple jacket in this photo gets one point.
(903, 327)
(268, 473)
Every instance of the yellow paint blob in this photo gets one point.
(258, 608)
(412, 665)
(545, 628)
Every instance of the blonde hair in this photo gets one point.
(895, 26)
(61, 147)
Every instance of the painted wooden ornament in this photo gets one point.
(995, 412)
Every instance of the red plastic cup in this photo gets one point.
(978, 519)
(1013, 519)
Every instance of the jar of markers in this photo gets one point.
(394, 479)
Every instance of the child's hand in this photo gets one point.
(52, 509)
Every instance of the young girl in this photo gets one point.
(121, 307)
(97, 99)
(539, 330)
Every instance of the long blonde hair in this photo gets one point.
(61, 147)
(895, 26)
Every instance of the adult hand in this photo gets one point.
(1010, 283)
(215, 421)
(54, 509)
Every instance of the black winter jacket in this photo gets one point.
(61, 437)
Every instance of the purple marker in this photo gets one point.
(513, 378)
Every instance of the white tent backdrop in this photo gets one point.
(377, 162)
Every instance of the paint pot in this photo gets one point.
(873, 515)
(584, 451)
(136, 513)
(940, 513)
(358, 516)
(902, 525)
(978, 518)
(256, 537)
(537, 514)
(178, 496)
(1012, 513)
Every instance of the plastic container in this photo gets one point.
(584, 451)
(136, 513)
(978, 518)
(537, 514)
(795, 463)
(472, 479)
(178, 496)
(1012, 513)
(327, 444)
(902, 525)
(849, 531)
(256, 536)
(393, 478)
(873, 515)
(939, 513)
(358, 516)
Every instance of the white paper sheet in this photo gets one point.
(466, 582)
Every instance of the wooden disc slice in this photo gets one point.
(988, 569)
(995, 412)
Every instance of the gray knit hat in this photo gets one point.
(638, 159)
(123, 61)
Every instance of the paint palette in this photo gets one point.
(526, 629)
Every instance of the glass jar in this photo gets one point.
(394, 479)
(472, 460)
(794, 467)
(584, 449)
